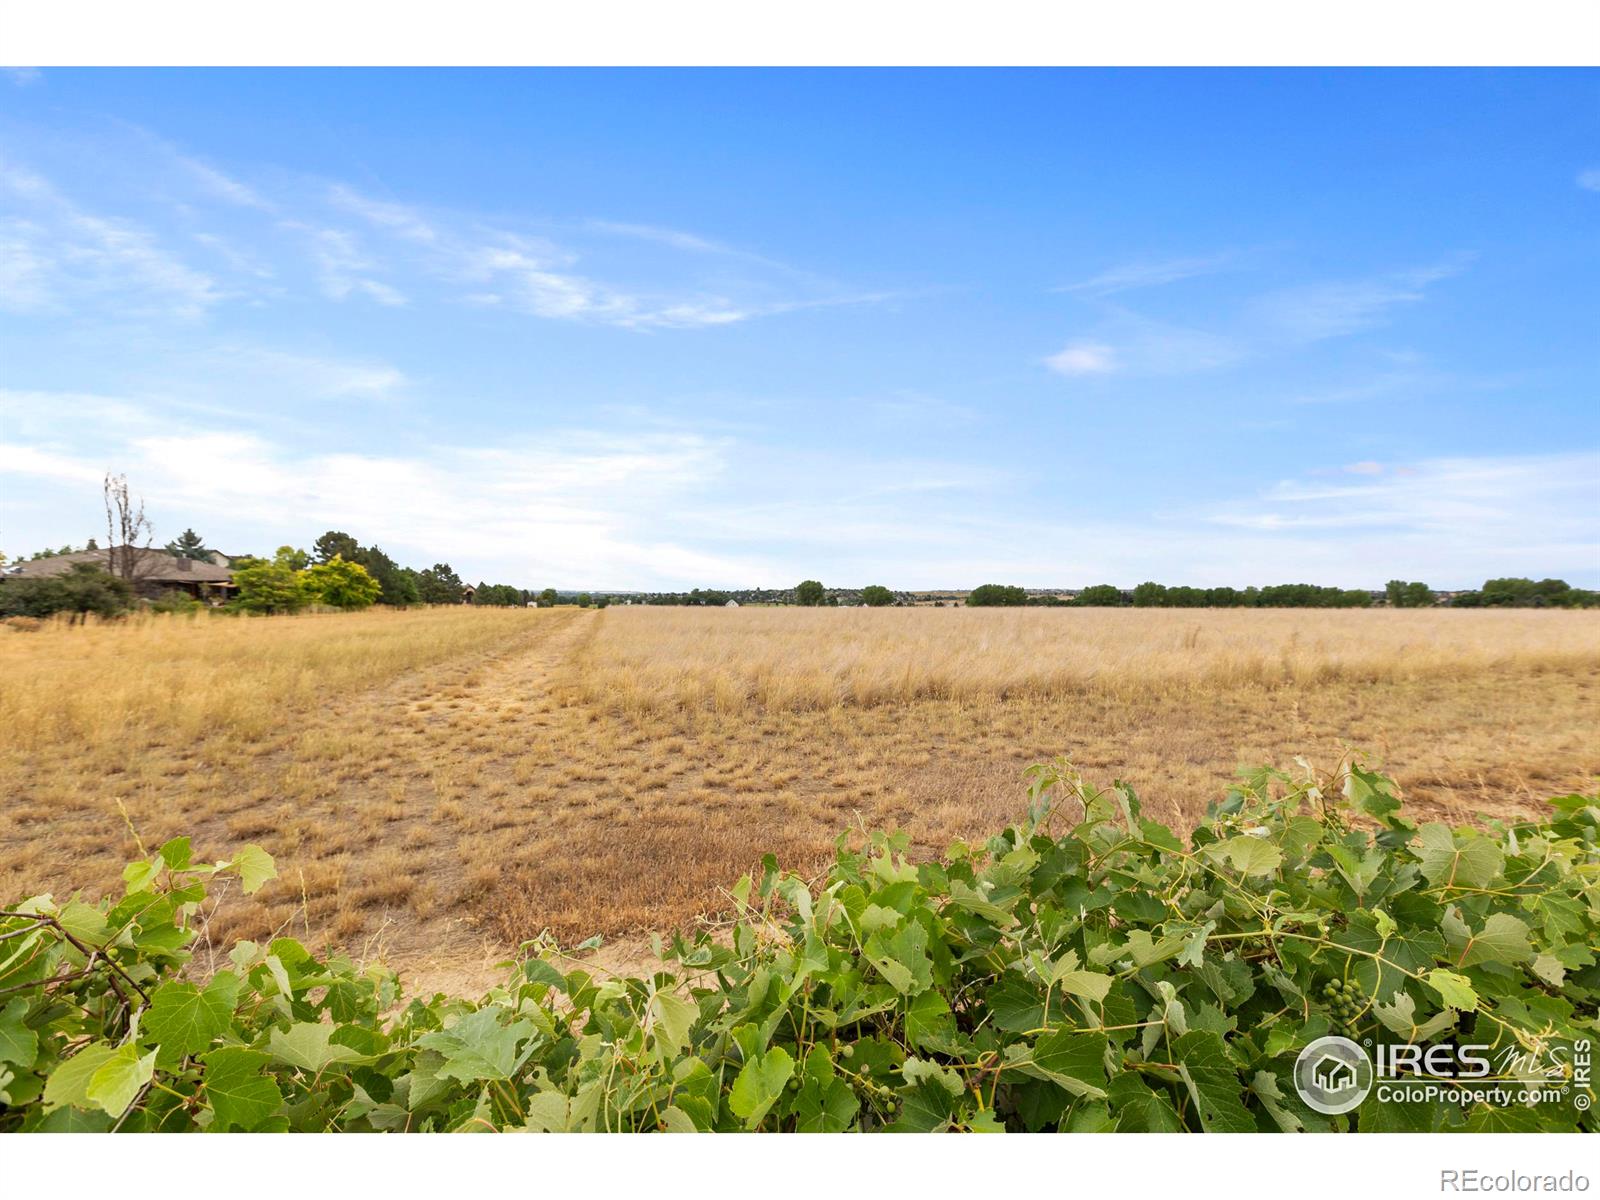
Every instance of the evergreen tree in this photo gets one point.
(188, 544)
(335, 544)
(439, 585)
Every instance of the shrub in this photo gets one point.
(996, 595)
(1082, 970)
(176, 602)
(82, 590)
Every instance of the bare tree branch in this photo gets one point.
(125, 522)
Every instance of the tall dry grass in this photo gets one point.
(105, 689)
(431, 777)
(647, 660)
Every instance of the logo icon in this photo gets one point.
(1333, 1075)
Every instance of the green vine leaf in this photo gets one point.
(759, 1085)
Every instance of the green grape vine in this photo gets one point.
(1082, 970)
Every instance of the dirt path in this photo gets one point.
(387, 792)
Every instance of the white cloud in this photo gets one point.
(1143, 273)
(521, 276)
(53, 417)
(24, 267)
(1127, 343)
(55, 256)
(1389, 383)
(1131, 343)
(573, 507)
(1485, 501)
(235, 258)
(1320, 311)
(38, 463)
(23, 76)
(675, 238)
(397, 219)
(1367, 467)
(1083, 358)
(309, 375)
(680, 509)
(1590, 180)
(59, 255)
(344, 268)
(222, 186)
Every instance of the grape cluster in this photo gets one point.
(1345, 1001)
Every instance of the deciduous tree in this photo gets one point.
(996, 595)
(341, 584)
(1101, 595)
(126, 524)
(270, 587)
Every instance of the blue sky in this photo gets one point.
(642, 329)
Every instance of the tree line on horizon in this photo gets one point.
(339, 572)
(1397, 593)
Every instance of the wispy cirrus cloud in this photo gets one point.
(1151, 272)
(1589, 180)
(538, 275)
(1383, 385)
(343, 267)
(1128, 343)
(349, 245)
(326, 377)
(398, 219)
(521, 276)
(1484, 501)
(675, 238)
(1318, 311)
(55, 254)
(1123, 341)
(220, 185)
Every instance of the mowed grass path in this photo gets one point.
(435, 780)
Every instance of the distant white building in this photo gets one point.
(731, 604)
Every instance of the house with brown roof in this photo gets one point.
(155, 573)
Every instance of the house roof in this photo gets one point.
(149, 566)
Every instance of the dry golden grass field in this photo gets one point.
(440, 781)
